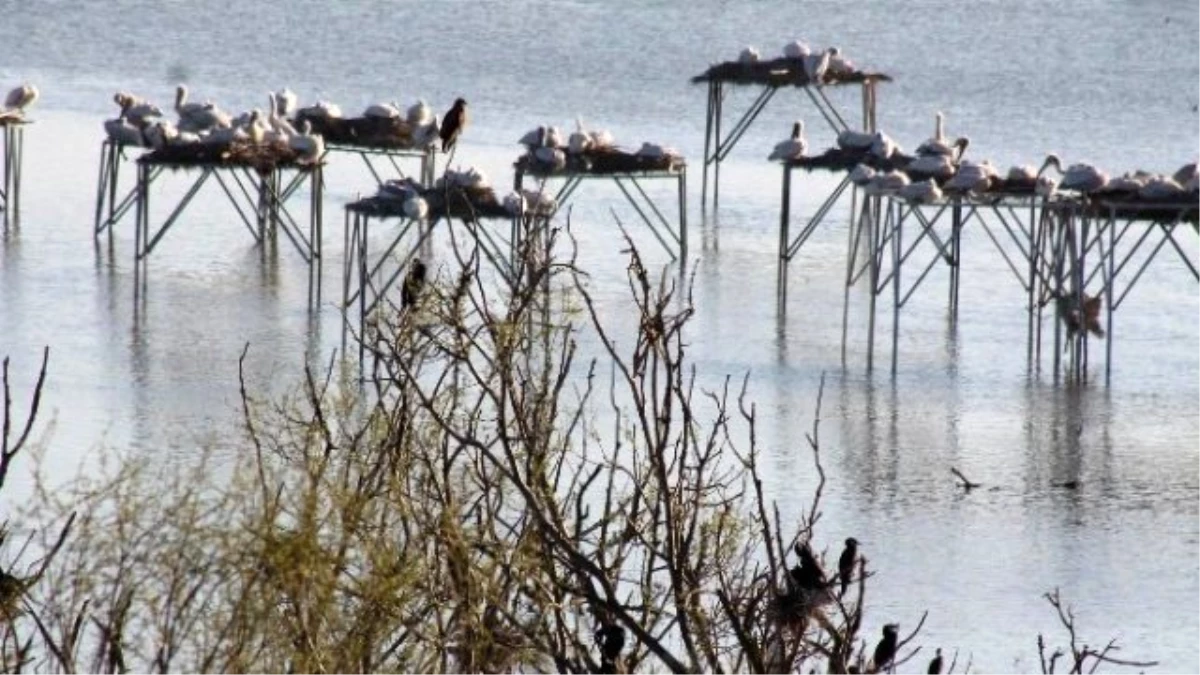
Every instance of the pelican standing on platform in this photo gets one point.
(453, 123)
(21, 98)
(794, 147)
(937, 145)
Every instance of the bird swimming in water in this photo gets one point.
(935, 666)
(885, 651)
(453, 123)
(846, 563)
(413, 284)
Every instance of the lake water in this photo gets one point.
(1111, 82)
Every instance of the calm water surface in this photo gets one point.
(1112, 82)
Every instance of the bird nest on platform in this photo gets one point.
(391, 133)
(12, 119)
(601, 161)
(463, 202)
(1134, 207)
(780, 72)
(263, 158)
(845, 159)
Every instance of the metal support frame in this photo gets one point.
(258, 197)
(12, 133)
(373, 155)
(673, 240)
(109, 209)
(878, 250)
(366, 279)
(1086, 248)
(717, 148)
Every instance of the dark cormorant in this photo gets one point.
(935, 666)
(885, 651)
(413, 283)
(453, 123)
(846, 563)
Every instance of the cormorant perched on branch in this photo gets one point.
(846, 563)
(413, 283)
(611, 639)
(935, 666)
(885, 651)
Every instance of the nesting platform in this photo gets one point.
(380, 142)
(769, 77)
(12, 136)
(367, 277)
(627, 170)
(258, 180)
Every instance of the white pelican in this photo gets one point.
(602, 138)
(416, 207)
(159, 133)
(861, 175)
(257, 128)
(401, 189)
(1162, 188)
(425, 135)
(655, 151)
(308, 146)
(816, 65)
(420, 114)
(197, 116)
(1130, 182)
(882, 146)
(285, 102)
(924, 191)
(886, 182)
(555, 158)
(278, 122)
(539, 202)
(748, 55)
(932, 166)
(122, 132)
(514, 203)
(838, 64)
(382, 110)
(937, 144)
(579, 141)
(796, 49)
(21, 98)
(534, 138)
(855, 140)
(186, 138)
(1046, 186)
(554, 138)
(1079, 177)
(793, 147)
(138, 111)
(1022, 174)
(973, 177)
(321, 109)
(1185, 173)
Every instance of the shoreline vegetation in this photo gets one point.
(462, 507)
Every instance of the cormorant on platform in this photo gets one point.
(453, 123)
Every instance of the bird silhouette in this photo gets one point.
(453, 123)
(885, 651)
(611, 639)
(1068, 311)
(413, 283)
(808, 575)
(935, 666)
(846, 563)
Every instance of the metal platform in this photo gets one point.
(12, 135)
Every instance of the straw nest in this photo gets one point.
(845, 159)
(393, 133)
(780, 72)
(262, 157)
(466, 203)
(601, 161)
